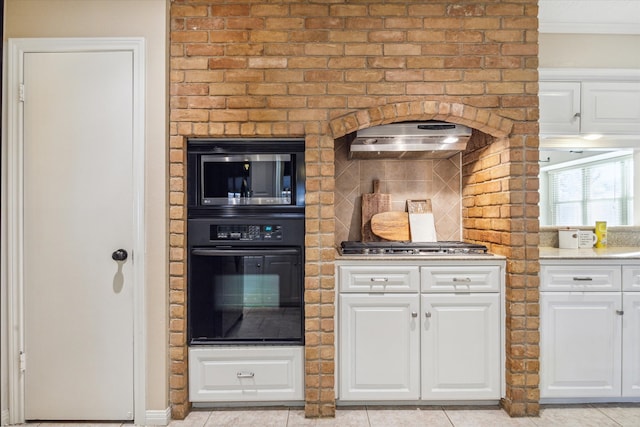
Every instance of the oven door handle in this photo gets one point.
(241, 252)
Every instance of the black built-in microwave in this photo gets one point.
(252, 172)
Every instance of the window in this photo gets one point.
(599, 188)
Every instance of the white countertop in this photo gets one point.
(623, 252)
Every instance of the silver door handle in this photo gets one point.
(620, 312)
(414, 314)
(462, 279)
(427, 314)
(379, 279)
(583, 279)
(245, 374)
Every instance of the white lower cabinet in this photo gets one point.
(245, 374)
(589, 330)
(581, 346)
(631, 344)
(380, 333)
(461, 346)
(435, 336)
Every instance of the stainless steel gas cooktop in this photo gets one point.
(412, 248)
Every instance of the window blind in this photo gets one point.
(596, 191)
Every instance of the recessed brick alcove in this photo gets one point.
(323, 69)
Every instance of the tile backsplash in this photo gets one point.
(435, 179)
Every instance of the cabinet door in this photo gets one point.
(580, 344)
(460, 346)
(379, 354)
(559, 108)
(631, 344)
(611, 107)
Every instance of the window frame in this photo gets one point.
(586, 165)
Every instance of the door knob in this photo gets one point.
(119, 255)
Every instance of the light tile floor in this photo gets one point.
(601, 415)
(375, 416)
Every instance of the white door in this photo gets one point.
(580, 344)
(379, 353)
(461, 346)
(631, 344)
(78, 210)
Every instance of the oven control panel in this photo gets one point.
(253, 232)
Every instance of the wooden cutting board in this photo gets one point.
(373, 203)
(391, 225)
(421, 223)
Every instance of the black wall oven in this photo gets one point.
(245, 237)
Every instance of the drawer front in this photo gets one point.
(580, 277)
(480, 278)
(631, 278)
(245, 374)
(367, 278)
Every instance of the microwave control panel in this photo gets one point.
(253, 232)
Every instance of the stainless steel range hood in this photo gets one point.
(410, 140)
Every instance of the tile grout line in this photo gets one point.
(446, 414)
(605, 414)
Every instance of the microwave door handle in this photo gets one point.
(241, 252)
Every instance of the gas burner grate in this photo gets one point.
(412, 248)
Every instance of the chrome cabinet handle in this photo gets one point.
(583, 279)
(414, 314)
(245, 374)
(462, 279)
(620, 312)
(427, 314)
(379, 279)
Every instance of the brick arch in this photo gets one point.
(477, 118)
(502, 187)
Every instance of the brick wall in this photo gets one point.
(322, 69)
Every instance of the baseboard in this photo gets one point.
(158, 418)
(4, 417)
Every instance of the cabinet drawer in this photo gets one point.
(245, 374)
(367, 278)
(631, 278)
(580, 277)
(477, 278)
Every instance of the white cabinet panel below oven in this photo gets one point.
(237, 374)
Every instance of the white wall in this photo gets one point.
(589, 51)
(121, 18)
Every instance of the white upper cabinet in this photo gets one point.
(611, 107)
(589, 17)
(582, 102)
(560, 108)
